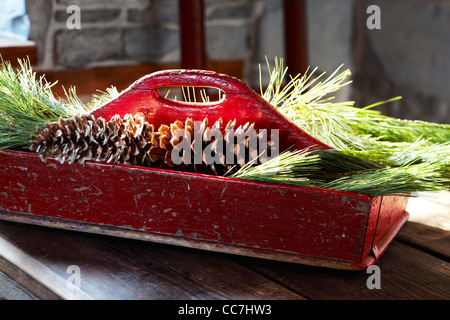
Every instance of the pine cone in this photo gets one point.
(213, 150)
(132, 140)
(84, 138)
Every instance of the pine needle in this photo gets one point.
(287, 168)
(406, 181)
(27, 101)
(336, 170)
(99, 100)
(374, 154)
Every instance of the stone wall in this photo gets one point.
(408, 56)
(121, 32)
(113, 32)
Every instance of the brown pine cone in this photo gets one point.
(132, 140)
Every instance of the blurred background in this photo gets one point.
(118, 41)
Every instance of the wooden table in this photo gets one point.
(43, 263)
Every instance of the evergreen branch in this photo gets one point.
(408, 181)
(374, 154)
(288, 168)
(27, 102)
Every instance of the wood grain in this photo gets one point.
(429, 225)
(433, 240)
(406, 274)
(11, 290)
(432, 211)
(113, 268)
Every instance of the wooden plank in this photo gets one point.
(405, 273)
(116, 268)
(11, 290)
(32, 274)
(192, 34)
(429, 224)
(433, 211)
(434, 240)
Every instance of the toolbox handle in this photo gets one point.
(147, 88)
(191, 78)
(240, 103)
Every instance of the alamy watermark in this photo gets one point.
(73, 282)
(374, 280)
(240, 146)
(374, 20)
(74, 20)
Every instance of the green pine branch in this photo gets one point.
(27, 101)
(374, 154)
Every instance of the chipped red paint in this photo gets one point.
(305, 225)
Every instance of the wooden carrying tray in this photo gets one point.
(287, 223)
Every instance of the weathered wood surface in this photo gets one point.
(11, 290)
(406, 273)
(116, 268)
(34, 262)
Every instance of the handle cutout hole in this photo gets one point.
(192, 94)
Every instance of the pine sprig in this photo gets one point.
(337, 170)
(287, 168)
(27, 101)
(374, 154)
(406, 181)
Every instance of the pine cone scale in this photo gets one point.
(132, 140)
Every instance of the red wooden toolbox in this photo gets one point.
(287, 223)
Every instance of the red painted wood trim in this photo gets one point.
(295, 36)
(192, 31)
